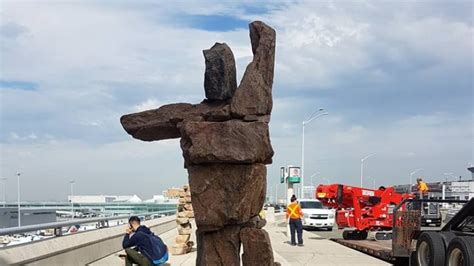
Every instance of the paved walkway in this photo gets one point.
(316, 251)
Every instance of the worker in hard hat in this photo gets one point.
(422, 187)
(294, 214)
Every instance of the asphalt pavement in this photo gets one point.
(326, 234)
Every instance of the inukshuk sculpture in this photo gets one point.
(185, 211)
(225, 142)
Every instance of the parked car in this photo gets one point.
(316, 215)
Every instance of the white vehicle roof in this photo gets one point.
(308, 200)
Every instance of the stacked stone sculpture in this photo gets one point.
(226, 145)
(185, 211)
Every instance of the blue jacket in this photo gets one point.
(138, 239)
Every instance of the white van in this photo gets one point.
(316, 215)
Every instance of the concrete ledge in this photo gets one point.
(78, 249)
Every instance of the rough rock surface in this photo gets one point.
(182, 239)
(231, 142)
(165, 122)
(257, 247)
(222, 193)
(254, 94)
(256, 222)
(220, 80)
(219, 247)
(226, 144)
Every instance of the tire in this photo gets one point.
(413, 261)
(329, 228)
(354, 235)
(361, 235)
(460, 252)
(347, 235)
(430, 249)
(447, 237)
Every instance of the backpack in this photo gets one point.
(159, 251)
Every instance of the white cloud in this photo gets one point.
(16, 136)
(94, 62)
(147, 105)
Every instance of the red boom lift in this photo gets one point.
(362, 210)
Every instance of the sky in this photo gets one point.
(396, 78)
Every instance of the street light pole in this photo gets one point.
(302, 160)
(276, 194)
(72, 194)
(4, 192)
(18, 192)
(310, 119)
(373, 181)
(312, 184)
(362, 168)
(411, 176)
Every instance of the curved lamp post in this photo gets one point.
(362, 168)
(314, 116)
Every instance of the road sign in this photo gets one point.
(294, 174)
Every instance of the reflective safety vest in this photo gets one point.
(293, 211)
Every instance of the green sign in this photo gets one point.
(294, 179)
(294, 174)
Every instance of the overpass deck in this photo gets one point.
(94, 247)
(316, 251)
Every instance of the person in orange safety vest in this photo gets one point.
(422, 187)
(294, 214)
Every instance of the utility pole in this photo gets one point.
(72, 195)
(3, 179)
(19, 214)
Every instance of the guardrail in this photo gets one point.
(77, 249)
(59, 225)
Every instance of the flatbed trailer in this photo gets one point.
(381, 249)
(412, 246)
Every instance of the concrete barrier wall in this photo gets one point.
(78, 249)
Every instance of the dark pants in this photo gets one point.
(134, 257)
(296, 225)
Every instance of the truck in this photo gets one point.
(316, 215)
(409, 244)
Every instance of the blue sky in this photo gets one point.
(396, 83)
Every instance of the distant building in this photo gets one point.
(160, 199)
(456, 190)
(462, 190)
(29, 216)
(91, 199)
(103, 199)
(129, 199)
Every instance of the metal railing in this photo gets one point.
(406, 224)
(59, 225)
(81, 248)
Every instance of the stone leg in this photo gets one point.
(257, 247)
(226, 194)
(220, 247)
